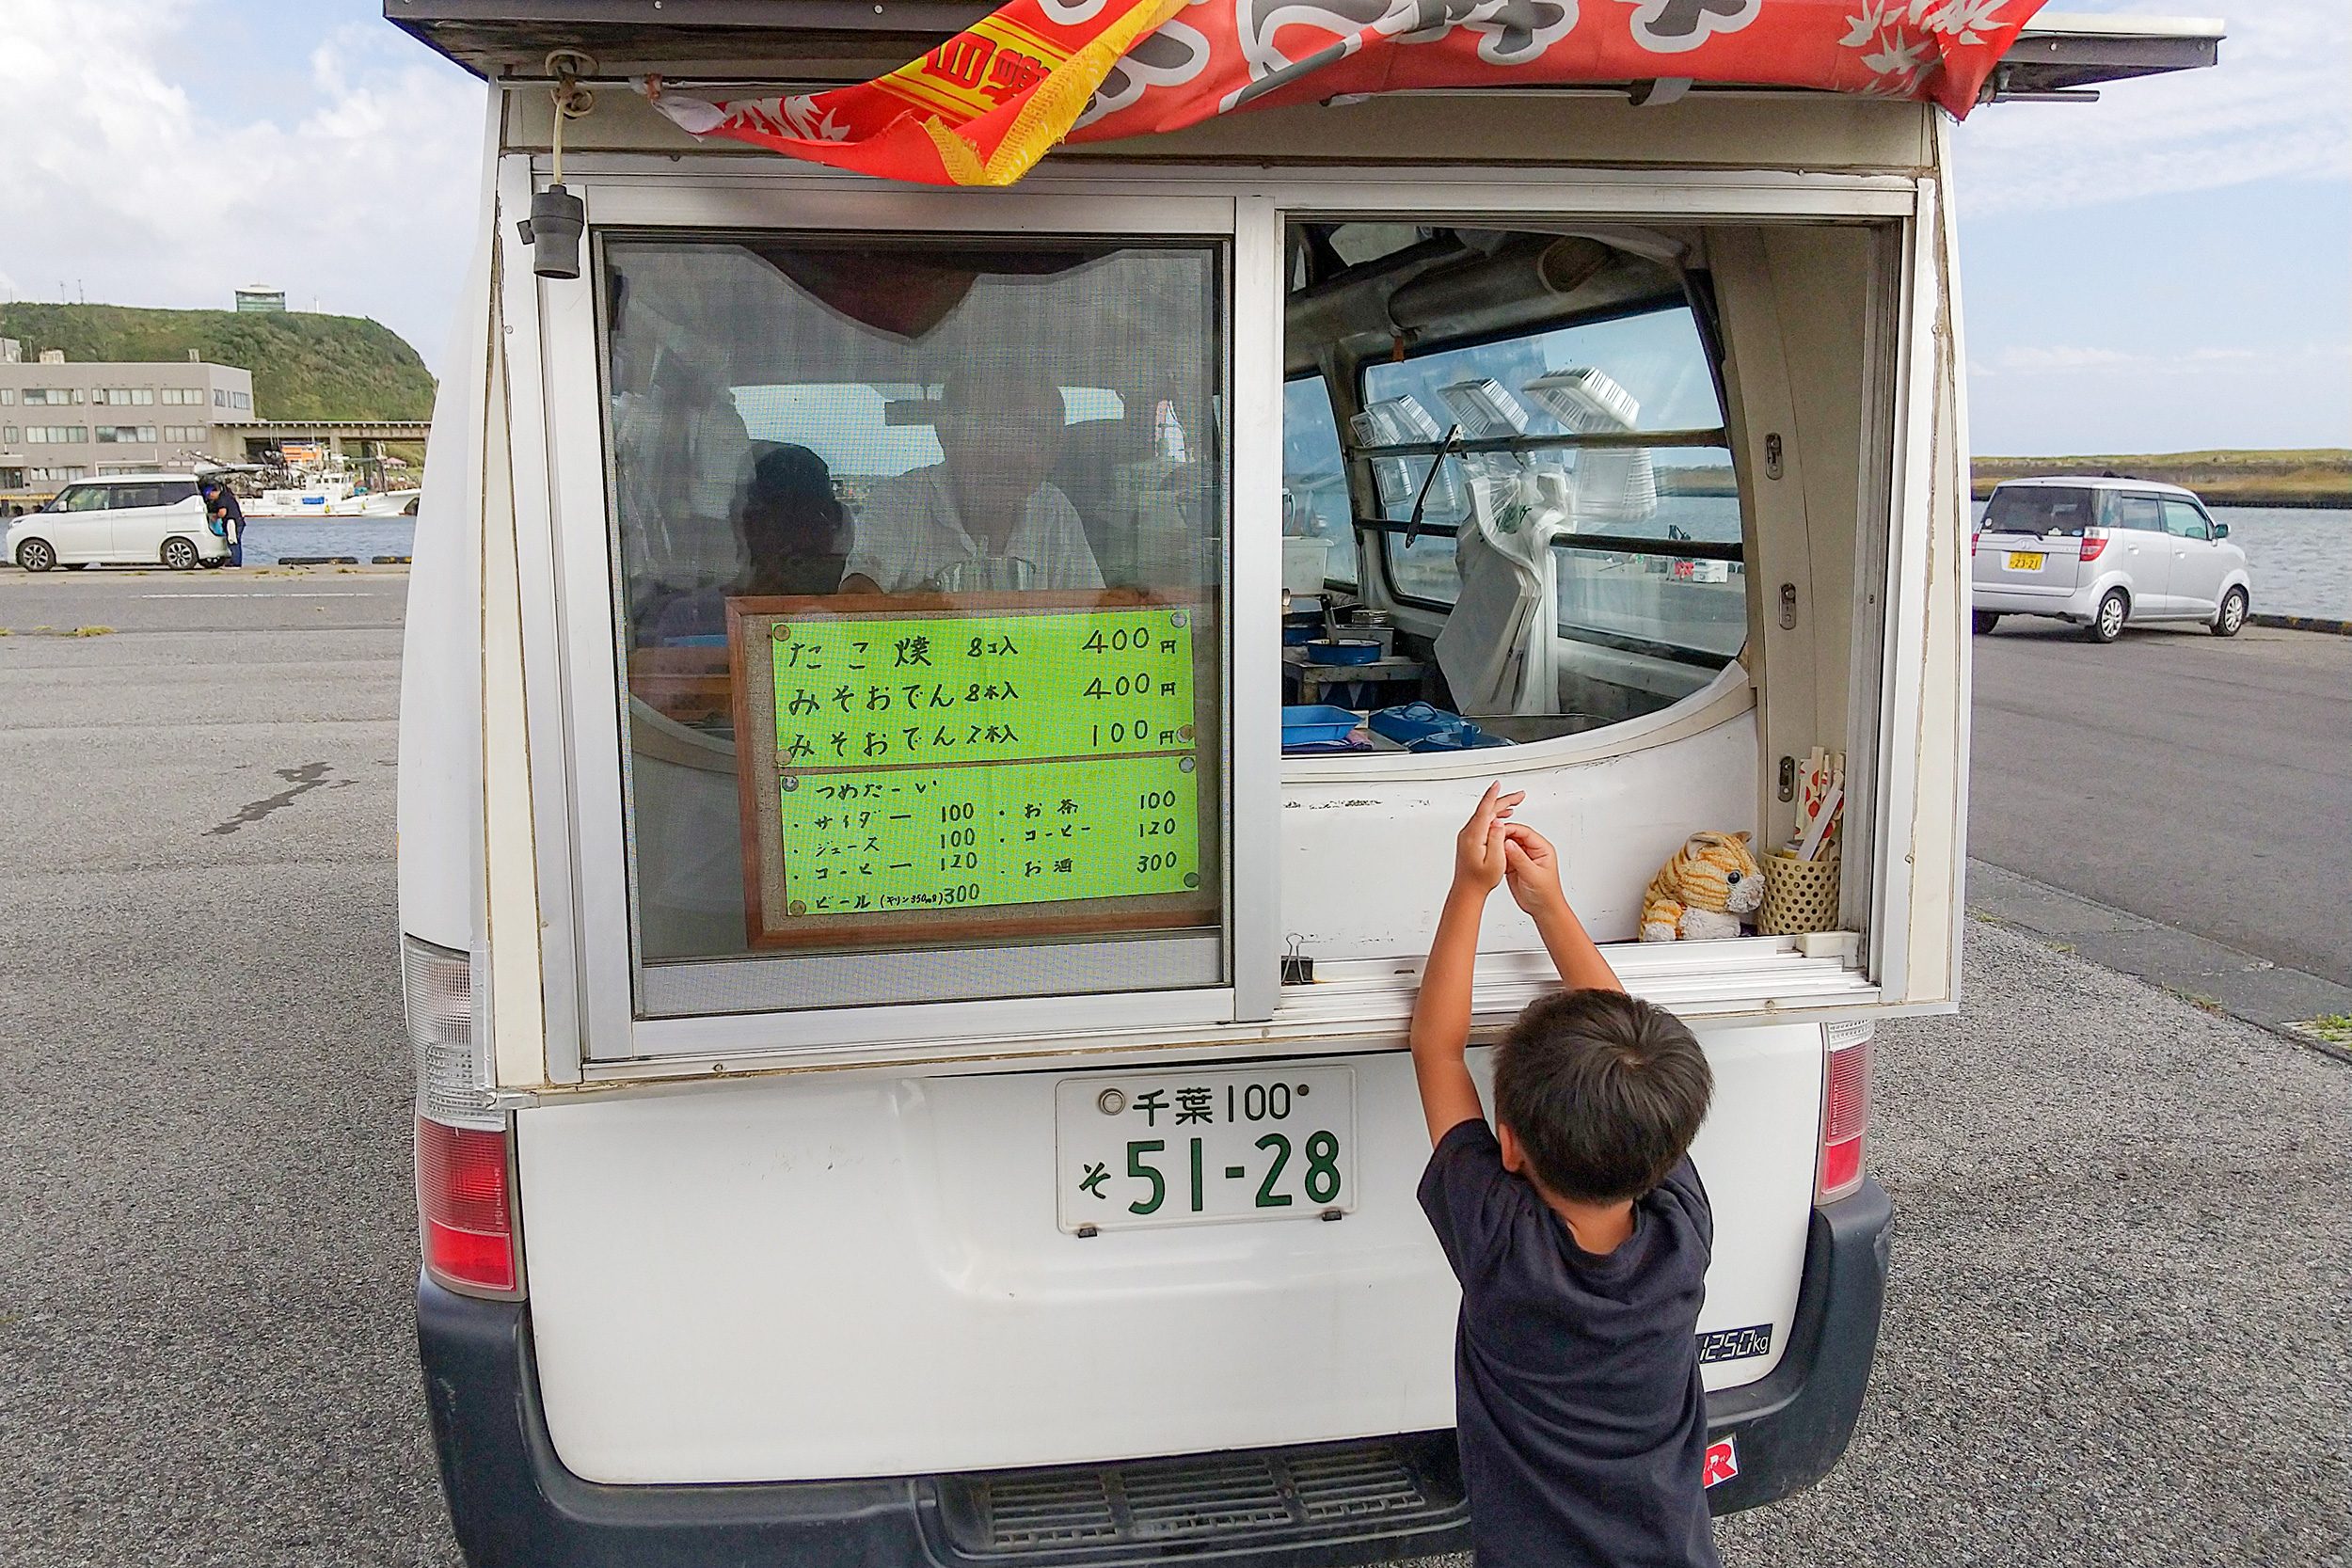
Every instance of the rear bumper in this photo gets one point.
(513, 1502)
(2074, 605)
(1791, 1427)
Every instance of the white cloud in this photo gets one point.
(2054, 358)
(2275, 107)
(2064, 359)
(125, 185)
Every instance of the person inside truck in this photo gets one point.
(986, 517)
(1580, 1231)
(795, 537)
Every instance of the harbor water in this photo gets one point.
(270, 540)
(2301, 558)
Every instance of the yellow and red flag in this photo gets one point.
(985, 105)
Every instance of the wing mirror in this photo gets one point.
(2221, 531)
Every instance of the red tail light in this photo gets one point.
(2093, 544)
(1845, 1118)
(464, 1202)
(464, 1191)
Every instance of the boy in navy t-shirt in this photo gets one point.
(1580, 1235)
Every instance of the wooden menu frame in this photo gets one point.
(769, 925)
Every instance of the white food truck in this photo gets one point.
(910, 1045)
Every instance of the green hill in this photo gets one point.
(304, 366)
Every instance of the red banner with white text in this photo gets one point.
(984, 107)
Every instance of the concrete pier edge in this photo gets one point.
(2303, 622)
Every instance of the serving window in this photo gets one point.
(1538, 471)
(921, 556)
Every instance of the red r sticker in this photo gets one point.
(1722, 1462)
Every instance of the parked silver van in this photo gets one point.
(2104, 553)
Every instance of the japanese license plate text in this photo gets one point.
(1194, 1148)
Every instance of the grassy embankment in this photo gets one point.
(2311, 477)
(305, 366)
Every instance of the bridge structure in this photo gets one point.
(259, 441)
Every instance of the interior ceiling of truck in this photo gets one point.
(1361, 290)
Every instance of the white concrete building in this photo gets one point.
(61, 421)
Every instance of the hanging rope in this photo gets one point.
(571, 100)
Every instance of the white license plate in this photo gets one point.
(2026, 561)
(1137, 1150)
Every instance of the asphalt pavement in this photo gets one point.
(2124, 1223)
(2201, 783)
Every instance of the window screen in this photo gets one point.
(920, 560)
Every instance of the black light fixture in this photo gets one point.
(558, 217)
(552, 232)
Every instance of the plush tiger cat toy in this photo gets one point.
(1704, 890)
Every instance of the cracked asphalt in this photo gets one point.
(2116, 1332)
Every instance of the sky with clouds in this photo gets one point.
(2169, 268)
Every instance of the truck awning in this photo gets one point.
(987, 91)
(2060, 56)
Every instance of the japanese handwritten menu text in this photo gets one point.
(942, 763)
(993, 689)
(1012, 833)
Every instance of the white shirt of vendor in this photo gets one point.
(910, 538)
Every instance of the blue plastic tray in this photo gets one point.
(1316, 725)
(1427, 727)
(1342, 651)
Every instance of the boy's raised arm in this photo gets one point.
(1442, 1014)
(1533, 867)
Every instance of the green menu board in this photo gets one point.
(886, 693)
(911, 760)
(1021, 833)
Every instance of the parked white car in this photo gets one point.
(2106, 552)
(131, 520)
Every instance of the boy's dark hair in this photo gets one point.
(1603, 1091)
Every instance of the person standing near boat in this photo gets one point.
(225, 517)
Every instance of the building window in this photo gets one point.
(8, 394)
(220, 398)
(191, 434)
(50, 397)
(54, 476)
(242, 400)
(8, 434)
(125, 397)
(183, 395)
(63, 435)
